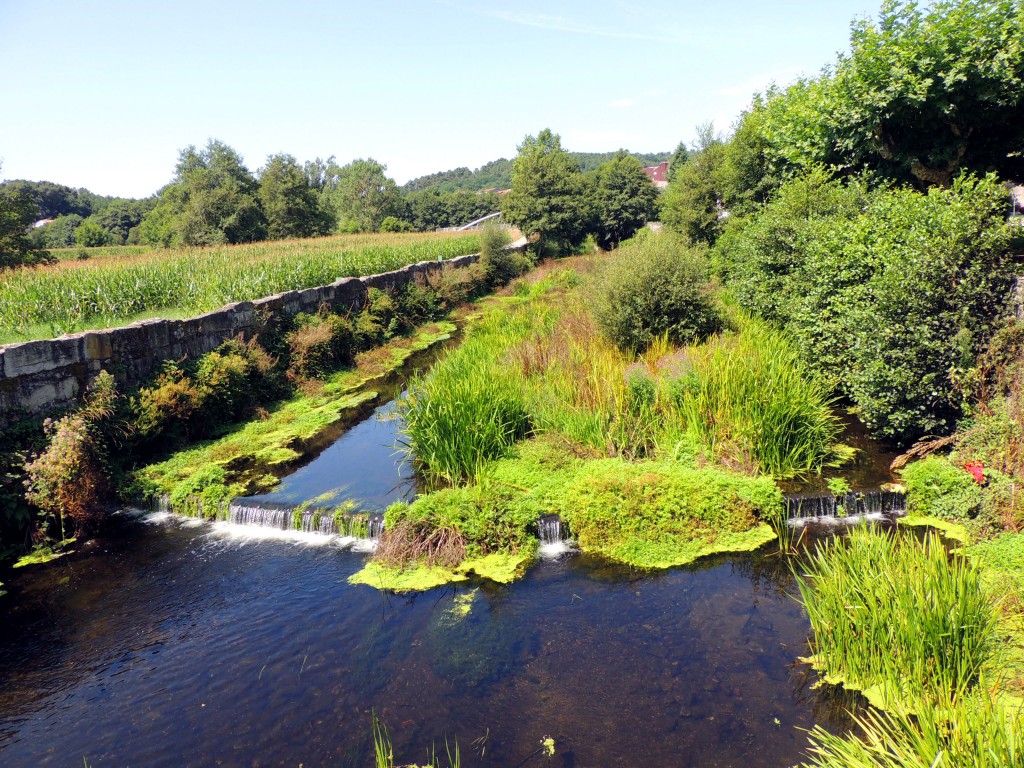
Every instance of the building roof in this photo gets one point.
(658, 174)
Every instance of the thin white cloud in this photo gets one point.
(760, 82)
(621, 103)
(562, 24)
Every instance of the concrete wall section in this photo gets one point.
(39, 376)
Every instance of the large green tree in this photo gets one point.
(692, 204)
(550, 200)
(362, 195)
(625, 199)
(17, 213)
(212, 199)
(290, 202)
(923, 93)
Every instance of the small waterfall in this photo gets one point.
(554, 537)
(340, 521)
(549, 530)
(849, 508)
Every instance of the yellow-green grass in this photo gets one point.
(41, 302)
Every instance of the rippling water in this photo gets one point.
(187, 645)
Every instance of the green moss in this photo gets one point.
(418, 579)
(44, 554)
(949, 530)
(502, 567)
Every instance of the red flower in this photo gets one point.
(977, 469)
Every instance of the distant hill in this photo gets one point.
(498, 173)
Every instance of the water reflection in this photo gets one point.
(177, 646)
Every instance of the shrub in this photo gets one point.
(70, 477)
(653, 287)
(320, 344)
(937, 487)
(899, 619)
(499, 264)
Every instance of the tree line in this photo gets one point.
(214, 198)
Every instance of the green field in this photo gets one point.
(42, 302)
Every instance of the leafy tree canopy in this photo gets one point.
(18, 210)
(923, 93)
(625, 199)
(289, 199)
(362, 195)
(212, 199)
(550, 200)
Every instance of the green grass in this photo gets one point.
(975, 731)
(750, 393)
(47, 301)
(903, 621)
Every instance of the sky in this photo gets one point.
(104, 94)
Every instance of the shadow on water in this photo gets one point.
(177, 644)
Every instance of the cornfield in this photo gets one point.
(70, 296)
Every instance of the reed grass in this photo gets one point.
(899, 619)
(976, 731)
(469, 409)
(749, 392)
(46, 301)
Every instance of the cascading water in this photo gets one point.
(326, 521)
(554, 537)
(846, 509)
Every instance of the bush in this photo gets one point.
(653, 287)
(320, 344)
(937, 487)
(71, 476)
(499, 264)
(892, 303)
(190, 401)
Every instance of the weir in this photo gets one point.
(845, 509)
(327, 521)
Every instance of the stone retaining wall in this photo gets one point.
(39, 376)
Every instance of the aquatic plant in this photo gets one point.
(750, 399)
(898, 619)
(973, 731)
(468, 410)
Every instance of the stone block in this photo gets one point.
(98, 346)
(33, 356)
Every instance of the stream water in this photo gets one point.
(173, 642)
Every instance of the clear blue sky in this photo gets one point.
(104, 94)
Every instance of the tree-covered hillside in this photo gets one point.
(497, 174)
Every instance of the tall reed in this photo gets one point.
(975, 731)
(899, 619)
(470, 408)
(750, 392)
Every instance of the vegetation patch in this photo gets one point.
(900, 620)
(250, 456)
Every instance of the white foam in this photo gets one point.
(836, 520)
(555, 550)
(246, 533)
